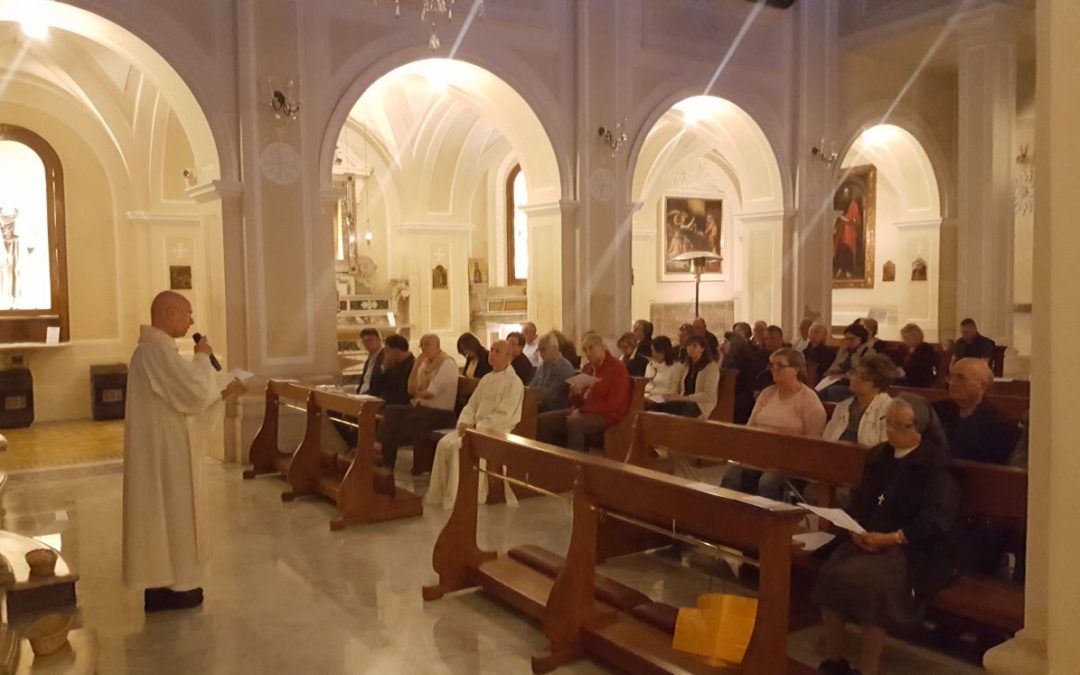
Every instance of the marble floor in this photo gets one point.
(285, 595)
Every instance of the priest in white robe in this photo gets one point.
(173, 405)
(494, 406)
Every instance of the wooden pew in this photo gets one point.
(944, 358)
(574, 620)
(265, 455)
(989, 492)
(362, 493)
(725, 398)
(617, 436)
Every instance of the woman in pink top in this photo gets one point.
(787, 407)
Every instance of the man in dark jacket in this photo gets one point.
(521, 363)
(392, 384)
(976, 430)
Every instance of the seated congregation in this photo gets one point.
(903, 436)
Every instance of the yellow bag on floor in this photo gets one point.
(718, 629)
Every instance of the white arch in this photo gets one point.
(453, 83)
(908, 215)
(710, 147)
(62, 16)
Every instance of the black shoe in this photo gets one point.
(163, 599)
(836, 667)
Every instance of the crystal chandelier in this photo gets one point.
(431, 10)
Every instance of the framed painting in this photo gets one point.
(853, 229)
(691, 224)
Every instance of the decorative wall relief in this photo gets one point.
(1024, 184)
(888, 272)
(919, 270)
(478, 273)
(691, 224)
(853, 229)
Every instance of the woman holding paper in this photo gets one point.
(907, 502)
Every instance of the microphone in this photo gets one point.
(197, 337)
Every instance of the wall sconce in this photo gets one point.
(282, 106)
(819, 152)
(614, 138)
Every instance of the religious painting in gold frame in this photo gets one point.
(691, 224)
(853, 228)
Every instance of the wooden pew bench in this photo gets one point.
(265, 455)
(1013, 407)
(362, 492)
(583, 615)
(989, 493)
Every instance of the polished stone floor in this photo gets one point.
(285, 595)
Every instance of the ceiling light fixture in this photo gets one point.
(430, 11)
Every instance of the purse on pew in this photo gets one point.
(718, 629)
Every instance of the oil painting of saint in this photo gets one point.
(853, 229)
(691, 224)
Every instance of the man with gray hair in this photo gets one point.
(531, 348)
(595, 406)
(551, 376)
(976, 430)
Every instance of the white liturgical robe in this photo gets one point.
(494, 406)
(173, 405)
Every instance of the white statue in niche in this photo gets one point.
(20, 276)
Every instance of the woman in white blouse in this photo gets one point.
(861, 418)
(664, 372)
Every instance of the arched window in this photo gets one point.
(33, 256)
(517, 229)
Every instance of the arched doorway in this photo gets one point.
(895, 278)
(135, 148)
(427, 160)
(706, 168)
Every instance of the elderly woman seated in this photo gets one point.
(818, 353)
(907, 502)
(861, 418)
(787, 407)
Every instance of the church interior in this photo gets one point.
(809, 198)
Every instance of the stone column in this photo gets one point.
(987, 93)
(807, 265)
(603, 183)
(545, 264)
(1048, 643)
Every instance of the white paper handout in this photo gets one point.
(838, 517)
(235, 374)
(827, 381)
(655, 398)
(812, 541)
(582, 380)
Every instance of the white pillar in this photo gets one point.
(987, 92)
(603, 213)
(807, 270)
(545, 264)
(1048, 643)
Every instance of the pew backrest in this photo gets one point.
(725, 397)
(617, 436)
(1013, 407)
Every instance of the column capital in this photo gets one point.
(1025, 654)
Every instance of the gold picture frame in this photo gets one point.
(853, 228)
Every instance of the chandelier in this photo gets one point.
(432, 10)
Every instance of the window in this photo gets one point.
(517, 229)
(33, 263)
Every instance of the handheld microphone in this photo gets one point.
(197, 337)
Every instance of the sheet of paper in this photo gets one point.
(52, 335)
(656, 398)
(767, 503)
(812, 541)
(837, 517)
(827, 381)
(582, 380)
(235, 374)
